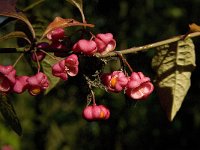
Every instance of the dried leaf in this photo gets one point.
(174, 64)
(47, 63)
(194, 27)
(9, 114)
(15, 34)
(63, 23)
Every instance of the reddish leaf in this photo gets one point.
(8, 9)
(63, 23)
(8, 6)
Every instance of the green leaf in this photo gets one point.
(46, 64)
(9, 114)
(173, 64)
(15, 34)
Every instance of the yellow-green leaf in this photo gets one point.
(47, 63)
(173, 64)
(9, 114)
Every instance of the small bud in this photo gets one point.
(38, 56)
(42, 45)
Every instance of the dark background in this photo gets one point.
(54, 122)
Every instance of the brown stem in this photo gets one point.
(93, 97)
(124, 60)
(38, 63)
(150, 46)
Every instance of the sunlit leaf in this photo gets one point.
(15, 34)
(63, 23)
(47, 63)
(194, 27)
(174, 64)
(9, 114)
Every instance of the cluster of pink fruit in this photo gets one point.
(10, 82)
(101, 43)
(136, 86)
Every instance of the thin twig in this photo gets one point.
(124, 51)
(18, 59)
(38, 63)
(51, 56)
(124, 60)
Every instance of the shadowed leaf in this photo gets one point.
(63, 23)
(8, 9)
(79, 5)
(173, 64)
(15, 34)
(9, 114)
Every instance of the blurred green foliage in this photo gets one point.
(54, 121)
